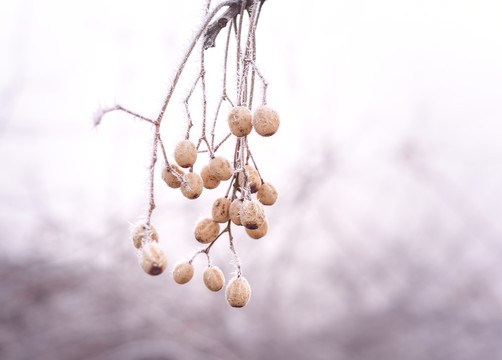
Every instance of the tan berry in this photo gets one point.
(253, 178)
(234, 211)
(153, 259)
(143, 235)
(192, 185)
(210, 181)
(267, 194)
(221, 168)
(221, 210)
(183, 273)
(214, 278)
(260, 232)
(206, 230)
(266, 121)
(185, 153)
(252, 214)
(170, 178)
(240, 121)
(238, 292)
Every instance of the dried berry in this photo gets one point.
(143, 235)
(267, 194)
(183, 273)
(191, 186)
(258, 233)
(210, 181)
(238, 292)
(214, 278)
(252, 214)
(206, 230)
(266, 121)
(221, 168)
(240, 121)
(234, 211)
(185, 153)
(153, 259)
(221, 210)
(168, 175)
(254, 180)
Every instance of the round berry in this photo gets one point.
(191, 186)
(234, 211)
(169, 176)
(240, 121)
(210, 181)
(185, 153)
(266, 121)
(221, 168)
(267, 194)
(238, 292)
(214, 278)
(252, 214)
(153, 259)
(142, 235)
(258, 233)
(220, 211)
(206, 230)
(183, 273)
(254, 180)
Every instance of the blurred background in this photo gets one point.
(386, 240)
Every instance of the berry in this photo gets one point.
(266, 121)
(170, 178)
(220, 211)
(221, 168)
(252, 214)
(240, 121)
(267, 194)
(206, 231)
(191, 186)
(142, 234)
(210, 181)
(214, 278)
(258, 233)
(254, 180)
(185, 153)
(238, 292)
(183, 273)
(153, 259)
(234, 211)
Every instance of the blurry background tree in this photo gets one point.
(386, 243)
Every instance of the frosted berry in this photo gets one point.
(221, 168)
(206, 230)
(185, 153)
(210, 181)
(234, 211)
(240, 121)
(267, 194)
(221, 210)
(170, 178)
(252, 214)
(254, 180)
(183, 273)
(191, 186)
(141, 234)
(238, 292)
(258, 233)
(266, 121)
(153, 259)
(214, 278)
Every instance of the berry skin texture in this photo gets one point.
(234, 211)
(267, 194)
(185, 153)
(252, 214)
(183, 273)
(153, 259)
(210, 181)
(258, 233)
(266, 121)
(221, 210)
(206, 231)
(238, 292)
(214, 278)
(170, 178)
(240, 121)
(221, 168)
(192, 186)
(141, 234)
(254, 180)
